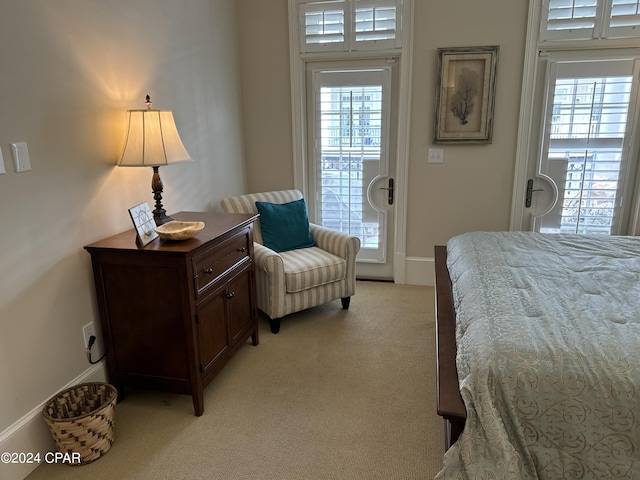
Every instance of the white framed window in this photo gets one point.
(577, 167)
(623, 19)
(589, 19)
(324, 26)
(350, 25)
(587, 131)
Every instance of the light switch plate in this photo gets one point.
(2, 170)
(21, 157)
(435, 155)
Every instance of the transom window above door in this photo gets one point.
(348, 25)
(589, 19)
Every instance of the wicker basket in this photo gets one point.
(81, 420)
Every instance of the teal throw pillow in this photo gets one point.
(285, 226)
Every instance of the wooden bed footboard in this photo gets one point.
(449, 401)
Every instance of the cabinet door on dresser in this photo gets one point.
(224, 318)
(240, 307)
(211, 320)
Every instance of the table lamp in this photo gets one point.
(152, 141)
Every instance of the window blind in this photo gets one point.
(350, 136)
(344, 25)
(323, 24)
(376, 23)
(589, 19)
(587, 132)
(569, 19)
(624, 19)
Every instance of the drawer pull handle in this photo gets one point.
(231, 295)
(208, 271)
(242, 249)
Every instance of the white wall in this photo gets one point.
(70, 70)
(263, 43)
(472, 189)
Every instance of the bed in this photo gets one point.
(538, 339)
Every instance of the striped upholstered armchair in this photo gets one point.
(294, 280)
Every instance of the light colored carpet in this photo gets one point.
(337, 394)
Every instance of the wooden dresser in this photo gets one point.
(173, 313)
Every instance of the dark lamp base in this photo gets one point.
(161, 217)
(159, 213)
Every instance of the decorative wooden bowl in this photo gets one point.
(175, 230)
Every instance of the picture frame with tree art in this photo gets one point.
(465, 97)
(142, 219)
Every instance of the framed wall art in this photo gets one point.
(466, 94)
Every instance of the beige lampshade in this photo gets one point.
(152, 140)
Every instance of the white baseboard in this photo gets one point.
(419, 271)
(30, 433)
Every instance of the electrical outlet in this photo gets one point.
(88, 331)
(97, 349)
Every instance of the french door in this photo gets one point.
(349, 144)
(584, 178)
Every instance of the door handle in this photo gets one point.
(530, 190)
(389, 190)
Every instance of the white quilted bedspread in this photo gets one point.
(548, 332)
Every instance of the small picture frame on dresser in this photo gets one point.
(144, 224)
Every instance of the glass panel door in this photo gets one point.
(351, 163)
(589, 117)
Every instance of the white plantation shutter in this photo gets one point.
(589, 19)
(350, 136)
(377, 24)
(624, 19)
(345, 25)
(323, 26)
(586, 144)
(569, 19)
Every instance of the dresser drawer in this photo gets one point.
(211, 265)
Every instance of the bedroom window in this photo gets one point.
(351, 131)
(589, 19)
(343, 152)
(578, 154)
(586, 136)
(350, 25)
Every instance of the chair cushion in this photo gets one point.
(311, 267)
(285, 226)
